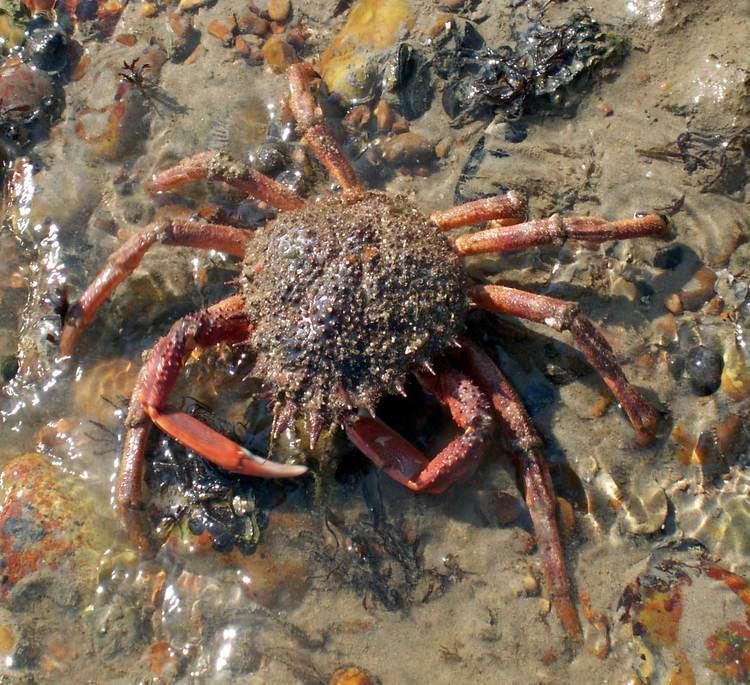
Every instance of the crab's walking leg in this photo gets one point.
(556, 229)
(566, 316)
(404, 463)
(217, 166)
(509, 209)
(314, 131)
(128, 256)
(527, 449)
(226, 322)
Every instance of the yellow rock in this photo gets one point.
(352, 675)
(279, 10)
(735, 378)
(373, 26)
(278, 54)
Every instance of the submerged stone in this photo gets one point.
(350, 64)
(47, 525)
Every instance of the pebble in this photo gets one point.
(223, 29)
(408, 149)
(443, 147)
(249, 22)
(296, 37)
(278, 54)
(383, 116)
(439, 25)
(624, 288)
(507, 508)
(566, 517)
(530, 586)
(8, 636)
(279, 10)
(729, 437)
(270, 157)
(129, 39)
(699, 289)
(148, 9)
(190, 5)
(646, 512)
(704, 367)
(673, 303)
(735, 378)
(452, 5)
(48, 525)
(241, 46)
(352, 675)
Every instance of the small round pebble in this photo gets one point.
(270, 157)
(703, 367)
(279, 10)
(352, 675)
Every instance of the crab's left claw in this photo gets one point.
(224, 322)
(220, 450)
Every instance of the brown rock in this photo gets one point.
(357, 118)
(443, 147)
(507, 508)
(249, 22)
(384, 116)
(296, 37)
(440, 24)
(400, 125)
(241, 46)
(223, 29)
(408, 149)
(699, 289)
(279, 10)
(129, 39)
(278, 54)
(673, 303)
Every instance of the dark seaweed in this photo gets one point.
(379, 559)
(233, 511)
(719, 158)
(537, 72)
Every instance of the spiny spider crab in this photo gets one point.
(341, 298)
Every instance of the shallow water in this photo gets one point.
(351, 568)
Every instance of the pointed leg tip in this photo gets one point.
(646, 424)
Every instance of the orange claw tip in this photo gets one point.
(217, 448)
(253, 465)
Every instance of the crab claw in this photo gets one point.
(220, 450)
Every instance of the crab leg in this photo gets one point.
(527, 449)
(314, 131)
(217, 166)
(566, 316)
(405, 463)
(225, 322)
(509, 209)
(128, 256)
(556, 229)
